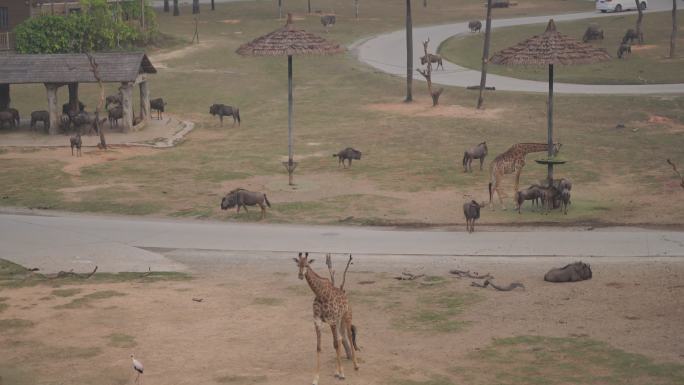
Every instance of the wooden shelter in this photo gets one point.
(57, 70)
(289, 41)
(550, 48)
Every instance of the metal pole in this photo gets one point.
(550, 124)
(409, 53)
(290, 163)
(485, 54)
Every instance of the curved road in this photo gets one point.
(381, 53)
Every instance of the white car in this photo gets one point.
(619, 5)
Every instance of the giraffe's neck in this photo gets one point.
(315, 281)
(526, 148)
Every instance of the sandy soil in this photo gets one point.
(425, 108)
(254, 323)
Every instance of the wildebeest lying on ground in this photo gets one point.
(593, 32)
(40, 116)
(433, 59)
(475, 25)
(471, 211)
(328, 21)
(241, 197)
(66, 107)
(573, 272)
(7, 117)
(158, 105)
(477, 152)
(533, 193)
(222, 110)
(347, 153)
(76, 142)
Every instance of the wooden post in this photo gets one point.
(73, 97)
(144, 101)
(53, 108)
(127, 101)
(550, 124)
(409, 53)
(290, 101)
(673, 36)
(356, 9)
(213, 8)
(4, 96)
(485, 54)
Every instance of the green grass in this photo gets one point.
(13, 324)
(554, 361)
(66, 292)
(647, 65)
(88, 299)
(120, 340)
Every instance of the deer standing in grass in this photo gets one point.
(332, 307)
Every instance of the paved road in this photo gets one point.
(65, 241)
(387, 53)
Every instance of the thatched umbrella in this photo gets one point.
(550, 48)
(289, 41)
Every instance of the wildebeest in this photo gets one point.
(84, 118)
(222, 110)
(631, 35)
(347, 153)
(564, 200)
(40, 116)
(7, 116)
(500, 4)
(15, 114)
(114, 99)
(624, 48)
(433, 59)
(471, 211)
(533, 193)
(477, 152)
(328, 21)
(475, 25)
(66, 107)
(114, 114)
(593, 32)
(573, 272)
(75, 141)
(562, 184)
(241, 197)
(158, 105)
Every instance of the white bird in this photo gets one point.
(138, 367)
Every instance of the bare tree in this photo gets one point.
(100, 103)
(428, 75)
(485, 54)
(673, 36)
(640, 18)
(409, 53)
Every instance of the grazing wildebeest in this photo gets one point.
(500, 4)
(7, 116)
(631, 35)
(114, 99)
(573, 272)
(475, 25)
(15, 114)
(75, 141)
(565, 200)
(593, 32)
(624, 48)
(347, 153)
(533, 193)
(114, 114)
(477, 152)
(241, 197)
(328, 21)
(66, 108)
(158, 105)
(471, 210)
(562, 184)
(222, 110)
(433, 59)
(40, 116)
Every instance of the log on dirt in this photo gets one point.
(408, 276)
(674, 167)
(508, 287)
(468, 274)
(71, 274)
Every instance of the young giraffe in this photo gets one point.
(512, 161)
(332, 307)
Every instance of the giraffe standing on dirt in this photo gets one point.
(332, 307)
(512, 161)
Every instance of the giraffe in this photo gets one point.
(512, 161)
(332, 307)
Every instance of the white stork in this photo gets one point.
(138, 367)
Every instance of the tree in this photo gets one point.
(176, 11)
(673, 36)
(212, 5)
(409, 53)
(485, 54)
(166, 5)
(356, 9)
(195, 7)
(428, 75)
(640, 18)
(308, 6)
(100, 102)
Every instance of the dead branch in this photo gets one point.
(674, 167)
(328, 261)
(487, 282)
(408, 276)
(488, 88)
(467, 274)
(149, 271)
(70, 274)
(344, 275)
(198, 299)
(427, 74)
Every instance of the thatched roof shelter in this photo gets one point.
(289, 41)
(550, 48)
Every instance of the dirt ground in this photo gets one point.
(254, 322)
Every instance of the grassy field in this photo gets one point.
(410, 172)
(647, 64)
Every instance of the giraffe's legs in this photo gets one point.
(317, 325)
(517, 180)
(348, 328)
(335, 328)
(497, 189)
(346, 335)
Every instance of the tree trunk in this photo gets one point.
(409, 53)
(4, 96)
(213, 8)
(485, 54)
(166, 5)
(425, 3)
(280, 9)
(673, 37)
(428, 77)
(142, 15)
(73, 97)
(640, 18)
(100, 103)
(176, 11)
(308, 6)
(356, 9)
(195, 7)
